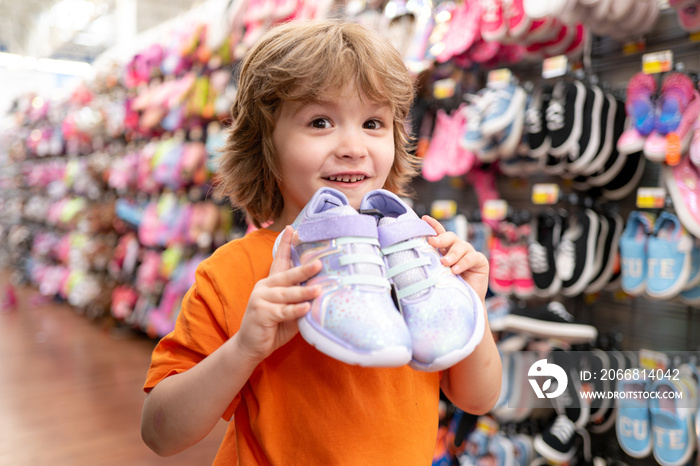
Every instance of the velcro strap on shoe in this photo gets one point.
(336, 227)
(397, 232)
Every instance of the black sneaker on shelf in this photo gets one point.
(535, 121)
(607, 134)
(600, 257)
(558, 442)
(610, 251)
(627, 180)
(576, 252)
(616, 161)
(603, 420)
(565, 116)
(589, 141)
(549, 321)
(545, 235)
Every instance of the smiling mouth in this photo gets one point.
(346, 179)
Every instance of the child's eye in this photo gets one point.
(320, 123)
(373, 124)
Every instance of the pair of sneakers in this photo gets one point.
(367, 256)
(659, 119)
(656, 255)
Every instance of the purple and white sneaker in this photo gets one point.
(444, 315)
(354, 319)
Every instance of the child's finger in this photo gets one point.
(295, 275)
(283, 258)
(437, 226)
(293, 294)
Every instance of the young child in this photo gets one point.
(319, 104)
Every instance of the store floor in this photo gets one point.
(70, 391)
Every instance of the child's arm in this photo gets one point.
(474, 383)
(183, 408)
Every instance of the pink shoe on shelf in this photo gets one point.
(518, 22)
(493, 22)
(683, 185)
(439, 151)
(523, 283)
(462, 159)
(561, 42)
(689, 16)
(641, 91)
(576, 47)
(677, 91)
(655, 147)
(539, 30)
(482, 51)
(500, 275)
(694, 151)
(631, 141)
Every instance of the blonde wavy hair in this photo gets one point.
(304, 61)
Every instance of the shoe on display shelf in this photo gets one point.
(552, 320)
(673, 420)
(689, 16)
(501, 107)
(494, 25)
(501, 272)
(593, 137)
(668, 257)
(633, 252)
(674, 104)
(545, 235)
(444, 315)
(576, 252)
(627, 180)
(535, 123)
(354, 320)
(610, 253)
(565, 116)
(683, 185)
(558, 442)
(633, 420)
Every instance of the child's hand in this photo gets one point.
(461, 257)
(270, 320)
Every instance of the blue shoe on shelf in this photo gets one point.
(633, 252)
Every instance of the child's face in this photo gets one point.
(344, 143)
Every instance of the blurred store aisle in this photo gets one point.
(70, 391)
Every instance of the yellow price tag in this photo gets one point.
(495, 209)
(652, 360)
(499, 78)
(545, 193)
(651, 198)
(443, 209)
(444, 88)
(657, 62)
(554, 67)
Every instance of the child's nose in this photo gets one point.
(351, 145)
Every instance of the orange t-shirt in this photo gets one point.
(299, 406)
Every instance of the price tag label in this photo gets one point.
(657, 62)
(651, 198)
(652, 360)
(633, 47)
(444, 88)
(443, 209)
(554, 67)
(495, 209)
(545, 193)
(499, 78)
